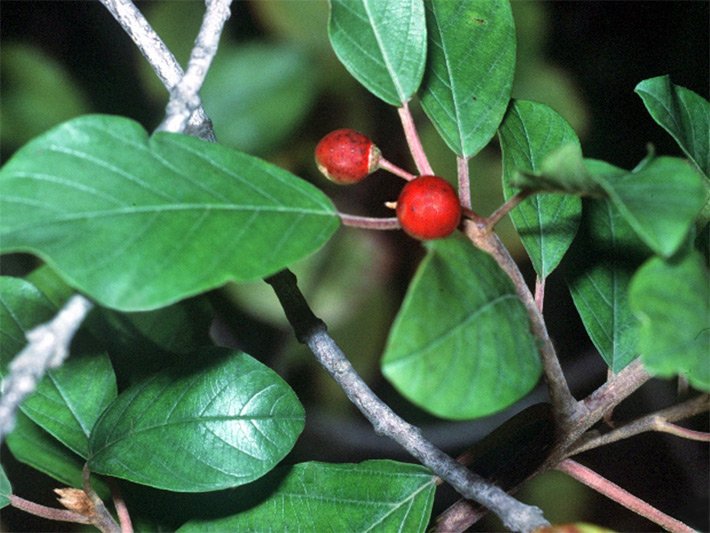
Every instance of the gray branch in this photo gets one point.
(311, 331)
(184, 97)
(48, 348)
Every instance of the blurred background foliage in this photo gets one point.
(275, 88)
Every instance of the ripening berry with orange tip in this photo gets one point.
(428, 208)
(346, 156)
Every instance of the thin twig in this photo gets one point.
(374, 223)
(184, 97)
(464, 181)
(658, 421)
(507, 207)
(664, 426)
(621, 496)
(415, 144)
(124, 518)
(540, 293)
(50, 513)
(390, 167)
(565, 405)
(48, 348)
(311, 331)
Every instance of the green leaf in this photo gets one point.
(470, 69)
(672, 301)
(660, 201)
(65, 403)
(69, 399)
(604, 256)
(370, 496)
(461, 345)
(22, 307)
(546, 223)
(138, 223)
(195, 429)
(382, 44)
(5, 489)
(35, 447)
(682, 113)
(257, 94)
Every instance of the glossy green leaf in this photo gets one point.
(138, 223)
(672, 301)
(470, 69)
(682, 113)
(219, 422)
(461, 345)
(5, 489)
(382, 44)
(257, 94)
(660, 201)
(65, 403)
(370, 496)
(70, 399)
(546, 223)
(604, 256)
(33, 446)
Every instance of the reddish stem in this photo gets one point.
(124, 518)
(614, 492)
(680, 431)
(540, 293)
(50, 513)
(394, 169)
(415, 145)
(464, 181)
(375, 223)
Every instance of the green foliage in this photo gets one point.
(65, 403)
(604, 256)
(682, 113)
(382, 44)
(220, 421)
(660, 198)
(467, 351)
(138, 223)
(671, 298)
(529, 134)
(660, 201)
(469, 71)
(373, 495)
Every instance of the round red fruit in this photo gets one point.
(428, 208)
(346, 156)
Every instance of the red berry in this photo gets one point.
(428, 208)
(346, 156)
